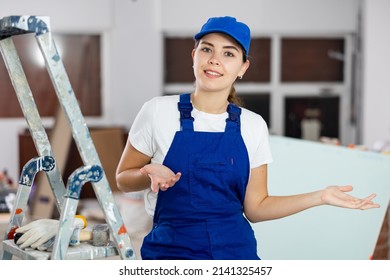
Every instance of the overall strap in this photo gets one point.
(185, 108)
(233, 121)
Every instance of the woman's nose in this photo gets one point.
(214, 60)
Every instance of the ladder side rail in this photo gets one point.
(74, 186)
(27, 176)
(84, 142)
(31, 114)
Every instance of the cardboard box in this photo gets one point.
(109, 146)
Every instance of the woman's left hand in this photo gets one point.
(337, 196)
(161, 176)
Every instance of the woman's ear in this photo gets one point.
(193, 54)
(245, 67)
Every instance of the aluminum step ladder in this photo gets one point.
(40, 26)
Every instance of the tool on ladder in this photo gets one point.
(40, 26)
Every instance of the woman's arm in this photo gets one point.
(136, 173)
(259, 206)
(128, 175)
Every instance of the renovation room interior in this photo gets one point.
(318, 77)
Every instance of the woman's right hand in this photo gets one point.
(161, 176)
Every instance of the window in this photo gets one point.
(312, 60)
(81, 57)
(258, 103)
(311, 117)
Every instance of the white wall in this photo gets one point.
(136, 58)
(376, 71)
(132, 45)
(263, 16)
(71, 15)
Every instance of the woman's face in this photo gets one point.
(218, 61)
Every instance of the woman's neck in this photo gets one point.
(212, 103)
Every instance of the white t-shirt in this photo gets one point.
(158, 120)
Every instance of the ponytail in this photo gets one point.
(233, 98)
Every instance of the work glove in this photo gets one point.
(40, 234)
(37, 232)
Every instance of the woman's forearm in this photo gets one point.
(131, 180)
(128, 175)
(275, 207)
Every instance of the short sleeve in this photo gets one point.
(256, 137)
(263, 154)
(141, 132)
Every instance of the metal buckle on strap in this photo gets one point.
(185, 110)
(234, 113)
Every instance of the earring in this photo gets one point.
(240, 77)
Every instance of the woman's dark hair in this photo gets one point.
(233, 98)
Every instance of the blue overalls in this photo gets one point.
(201, 216)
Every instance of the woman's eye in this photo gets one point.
(230, 54)
(206, 49)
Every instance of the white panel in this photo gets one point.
(324, 232)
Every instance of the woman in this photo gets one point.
(207, 159)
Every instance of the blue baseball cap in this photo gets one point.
(239, 31)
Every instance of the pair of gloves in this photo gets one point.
(40, 234)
